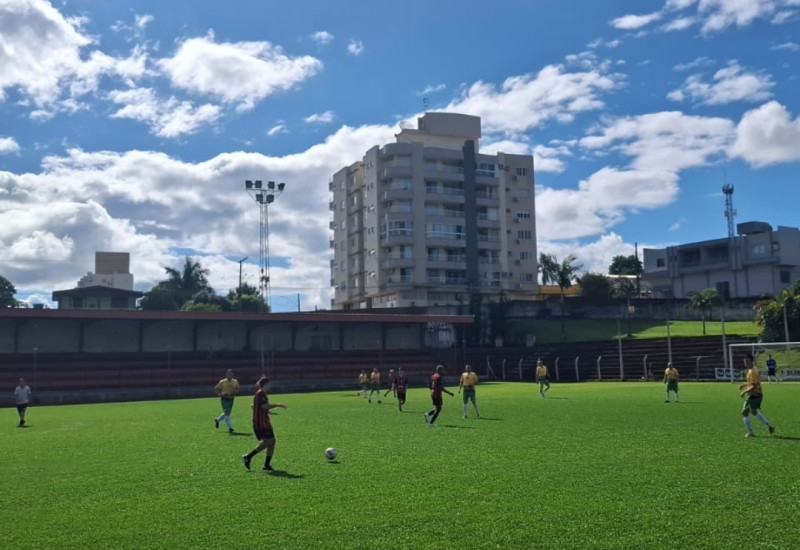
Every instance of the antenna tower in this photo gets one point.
(425, 104)
(730, 211)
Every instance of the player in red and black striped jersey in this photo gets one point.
(401, 386)
(436, 396)
(262, 426)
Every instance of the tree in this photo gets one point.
(187, 282)
(207, 301)
(159, 298)
(625, 288)
(703, 302)
(7, 292)
(779, 316)
(561, 274)
(595, 286)
(626, 265)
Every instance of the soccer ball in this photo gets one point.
(330, 453)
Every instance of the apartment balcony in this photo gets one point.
(396, 194)
(400, 171)
(391, 263)
(397, 239)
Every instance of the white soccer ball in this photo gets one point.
(330, 453)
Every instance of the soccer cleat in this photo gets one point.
(216, 423)
(246, 461)
(370, 400)
(666, 401)
(749, 434)
(230, 431)
(427, 419)
(379, 401)
(771, 430)
(268, 468)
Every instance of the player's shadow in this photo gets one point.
(240, 434)
(284, 473)
(489, 418)
(785, 437)
(455, 426)
(554, 398)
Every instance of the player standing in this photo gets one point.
(671, 381)
(467, 383)
(542, 377)
(227, 388)
(401, 386)
(262, 426)
(772, 369)
(752, 392)
(375, 384)
(363, 379)
(436, 396)
(22, 396)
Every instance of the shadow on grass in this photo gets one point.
(548, 398)
(240, 434)
(785, 437)
(284, 473)
(456, 426)
(489, 418)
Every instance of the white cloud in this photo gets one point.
(788, 46)
(168, 118)
(432, 89)
(677, 225)
(355, 47)
(679, 24)
(279, 128)
(8, 145)
(633, 22)
(143, 20)
(320, 118)
(322, 38)
(719, 15)
(730, 84)
(240, 73)
(528, 101)
(696, 63)
(767, 135)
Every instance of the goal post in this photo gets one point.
(785, 354)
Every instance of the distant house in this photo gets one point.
(96, 297)
(757, 261)
(109, 287)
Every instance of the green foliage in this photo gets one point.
(7, 292)
(703, 302)
(244, 290)
(188, 281)
(771, 312)
(562, 274)
(595, 465)
(595, 286)
(159, 298)
(249, 302)
(625, 265)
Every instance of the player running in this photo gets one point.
(752, 392)
(401, 386)
(226, 389)
(262, 426)
(436, 396)
(375, 385)
(671, 381)
(392, 388)
(542, 377)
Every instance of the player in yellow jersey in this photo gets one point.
(542, 377)
(363, 381)
(375, 385)
(467, 383)
(752, 392)
(227, 388)
(671, 381)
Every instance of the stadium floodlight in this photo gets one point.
(257, 190)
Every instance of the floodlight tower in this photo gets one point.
(730, 212)
(264, 196)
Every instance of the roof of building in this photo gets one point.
(96, 290)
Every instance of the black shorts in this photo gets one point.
(437, 401)
(401, 394)
(22, 408)
(770, 371)
(261, 435)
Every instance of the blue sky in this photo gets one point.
(132, 126)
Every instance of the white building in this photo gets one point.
(112, 269)
(757, 261)
(429, 220)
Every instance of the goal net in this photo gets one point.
(785, 355)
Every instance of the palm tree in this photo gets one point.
(188, 281)
(703, 301)
(7, 292)
(561, 274)
(779, 316)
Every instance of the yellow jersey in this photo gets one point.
(362, 378)
(671, 374)
(468, 380)
(227, 388)
(754, 382)
(542, 373)
(375, 377)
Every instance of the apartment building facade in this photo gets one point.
(429, 220)
(758, 261)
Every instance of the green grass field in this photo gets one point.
(595, 465)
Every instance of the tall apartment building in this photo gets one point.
(429, 220)
(758, 261)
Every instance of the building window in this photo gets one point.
(433, 254)
(119, 303)
(724, 289)
(524, 234)
(525, 255)
(524, 214)
(77, 303)
(522, 171)
(786, 277)
(661, 262)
